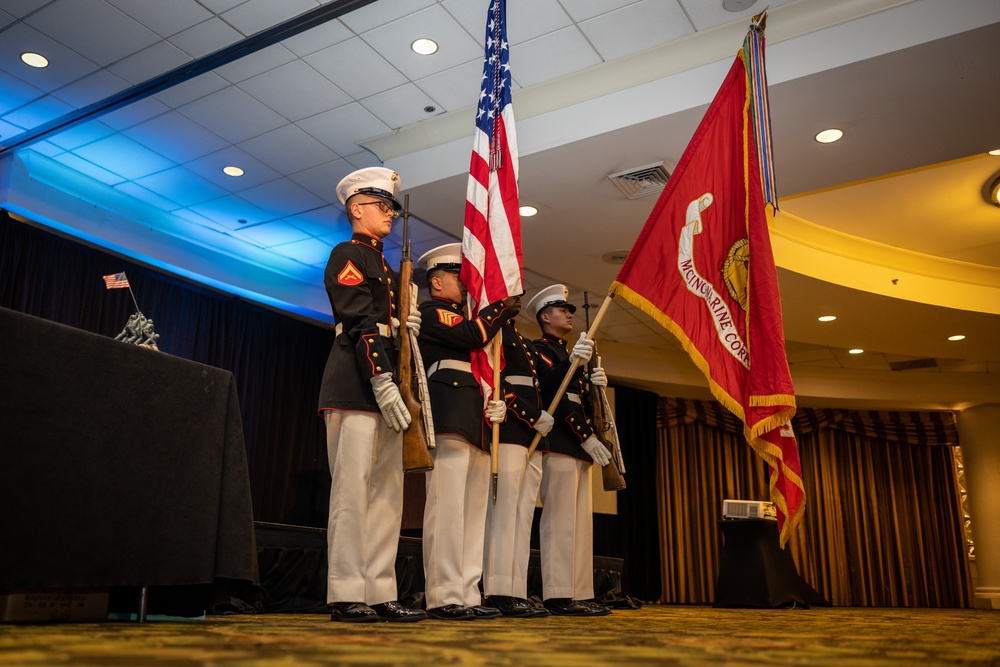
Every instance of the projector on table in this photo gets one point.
(748, 509)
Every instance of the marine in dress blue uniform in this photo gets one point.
(363, 410)
(458, 486)
(566, 527)
(509, 519)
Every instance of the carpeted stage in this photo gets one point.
(654, 634)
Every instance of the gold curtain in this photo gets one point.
(883, 519)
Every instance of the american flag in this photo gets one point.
(491, 242)
(116, 281)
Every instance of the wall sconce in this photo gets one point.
(991, 190)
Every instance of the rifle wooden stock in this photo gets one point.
(610, 475)
(416, 455)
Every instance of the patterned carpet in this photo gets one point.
(660, 635)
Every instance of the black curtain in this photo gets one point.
(635, 417)
(277, 360)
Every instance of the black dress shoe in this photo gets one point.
(452, 612)
(352, 612)
(513, 607)
(482, 611)
(397, 613)
(537, 612)
(567, 607)
(598, 608)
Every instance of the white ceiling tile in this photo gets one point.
(527, 19)
(66, 65)
(581, 10)
(342, 64)
(363, 159)
(232, 114)
(401, 106)
(7, 131)
(379, 13)
(6, 19)
(210, 167)
(270, 233)
(85, 27)
(124, 156)
(164, 18)
(392, 41)
(180, 185)
(229, 210)
(342, 129)
(282, 197)
(191, 90)
(16, 93)
(288, 149)
(322, 180)
(36, 113)
(21, 8)
(257, 15)
(91, 88)
(318, 222)
(133, 189)
(317, 38)
(254, 63)
(551, 56)
(81, 135)
(312, 252)
(87, 168)
(162, 135)
(220, 6)
(456, 88)
(149, 63)
(296, 91)
(134, 113)
(635, 28)
(207, 37)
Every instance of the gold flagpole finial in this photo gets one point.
(758, 22)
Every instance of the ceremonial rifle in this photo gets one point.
(604, 423)
(418, 438)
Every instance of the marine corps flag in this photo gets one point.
(702, 266)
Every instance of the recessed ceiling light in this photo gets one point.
(424, 46)
(829, 136)
(528, 211)
(856, 350)
(956, 337)
(995, 151)
(232, 171)
(34, 59)
(827, 318)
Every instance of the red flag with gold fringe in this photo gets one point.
(703, 267)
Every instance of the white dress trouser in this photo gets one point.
(566, 531)
(508, 522)
(366, 507)
(454, 515)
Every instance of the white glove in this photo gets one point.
(583, 349)
(413, 322)
(597, 450)
(390, 402)
(598, 377)
(544, 423)
(496, 411)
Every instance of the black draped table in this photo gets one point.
(754, 571)
(119, 465)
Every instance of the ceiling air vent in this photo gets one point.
(912, 364)
(641, 181)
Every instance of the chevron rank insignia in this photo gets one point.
(349, 275)
(448, 318)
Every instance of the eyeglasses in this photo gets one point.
(382, 206)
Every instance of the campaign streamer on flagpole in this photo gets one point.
(703, 268)
(491, 241)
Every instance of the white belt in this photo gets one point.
(522, 380)
(573, 397)
(384, 330)
(449, 364)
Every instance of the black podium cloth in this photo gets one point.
(119, 465)
(754, 571)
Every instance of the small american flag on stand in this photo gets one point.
(116, 281)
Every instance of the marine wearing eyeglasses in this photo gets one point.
(361, 405)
